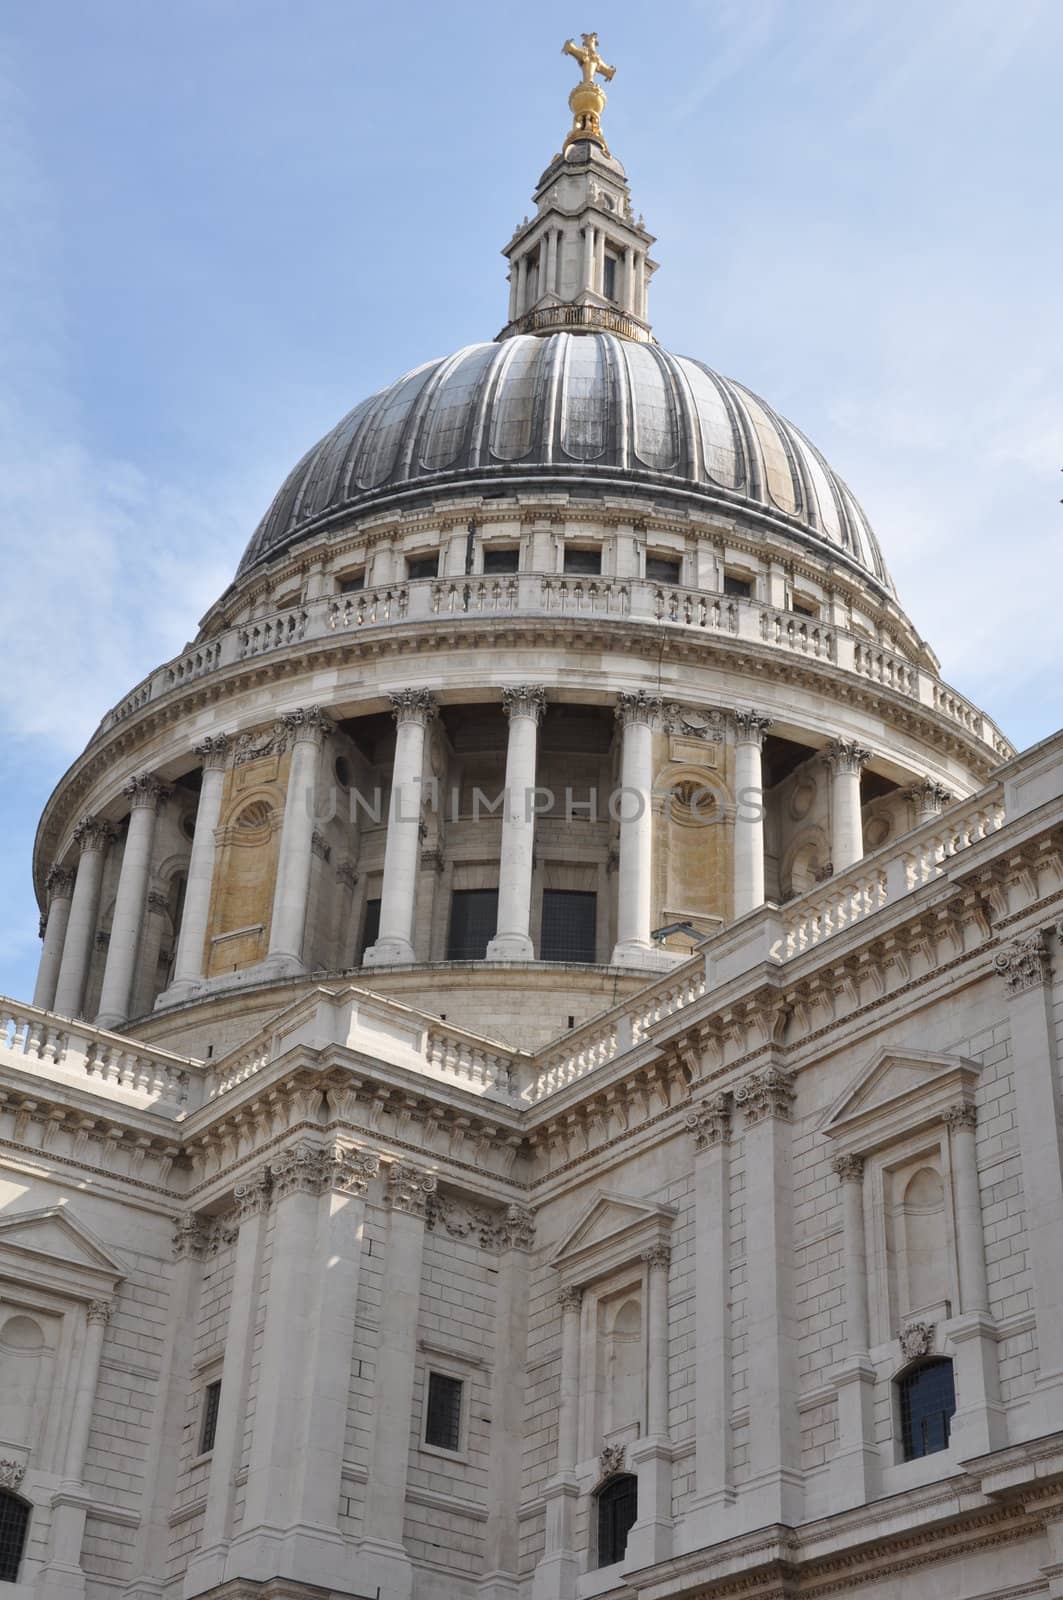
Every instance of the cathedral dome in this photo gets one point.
(580, 412)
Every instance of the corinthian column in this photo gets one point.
(929, 799)
(846, 760)
(750, 728)
(92, 836)
(189, 964)
(147, 796)
(524, 706)
(636, 714)
(59, 887)
(307, 729)
(413, 710)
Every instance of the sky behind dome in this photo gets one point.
(226, 221)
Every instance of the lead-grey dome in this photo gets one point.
(583, 412)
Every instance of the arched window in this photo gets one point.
(928, 1400)
(618, 1507)
(14, 1522)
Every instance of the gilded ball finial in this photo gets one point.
(587, 100)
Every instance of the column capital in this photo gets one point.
(191, 1238)
(1024, 964)
(961, 1115)
(525, 700)
(296, 1170)
(407, 1188)
(638, 709)
(59, 884)
(99, 1310)
(345, 1170)
(307, 723)
(516, 1229)
(657, 1256)
(144, 790)
(93, 833)
(570, 1298)
(157, 902)
(750, 727)
(930, 796)
(413, 705)
(710, 1122)
(251, 1195)
(214, 751)
(765, 1094)
(848, 1169)
(845, 755)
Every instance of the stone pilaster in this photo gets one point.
(63, 1577)
(501, 1579)
(556, 1575)
(980, 1421)
(710, 1126)
(650, 1539)
(855, 1467)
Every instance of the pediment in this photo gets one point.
(898, 1089)
(611, 1232)
(59, 1244)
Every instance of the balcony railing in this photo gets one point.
(427, 601)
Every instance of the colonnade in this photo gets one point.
(74, 896)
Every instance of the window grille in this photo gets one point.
(371, 925)
(473, 920)
(14, 1525)
(660, 569)
(569, 926)
(501, 561)
(208, 1425)
(928, 1400)
(618, 1506)
(423, 567)
(585, 562)
(443, 1420)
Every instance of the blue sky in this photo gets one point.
(224, 222)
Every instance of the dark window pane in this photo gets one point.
(14, 1521)
(501, 560)
(609, 278)
(473, 919)
(570, 925)
(423, 567)
(443, 1422)
(618, 1506)
(802, 610)
(661, 569)
(352, 583)
(739, 586)
(208, 1426)
(583, 561)
(928, 1400)
(371, 927)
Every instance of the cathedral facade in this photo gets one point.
(544, 1075)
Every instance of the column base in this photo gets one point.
(176, 995)
(647, 957)
(205, 1570)
(109, 1020)
(282, 964)
(384, 1568)
(556, 1576)
(498, 1586)
(650, 1539)
(58, 1581)
(389, 952)
(510, 947)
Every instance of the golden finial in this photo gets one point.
(587, 100)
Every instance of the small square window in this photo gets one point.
(473, 923)
(442, 1427)
(662, 569)
(208, 1417)
(803, 608)
(741, 587)
(423, 567)
(585, 562)
(501, 560)
(570, 925)
(352, 582)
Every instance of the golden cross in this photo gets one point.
(588, 57)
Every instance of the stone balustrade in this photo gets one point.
(558, 595)
(76, 1053)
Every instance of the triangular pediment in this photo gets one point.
(895, 1085)
(612, 1229)
(54, 1236)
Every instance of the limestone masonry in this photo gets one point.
(544, 1074)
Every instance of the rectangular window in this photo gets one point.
(501, 560)
(802, 608)
(371, 926)
(569, 926)
(442, 1426)
(352, 582)
(423, 567)
(208, 1419)
(737, 586)
(473, 920)
(587, 562)
(609, 277)
(662, 569)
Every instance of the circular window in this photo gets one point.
(342, 769)
(801, 800)
(877, 832)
